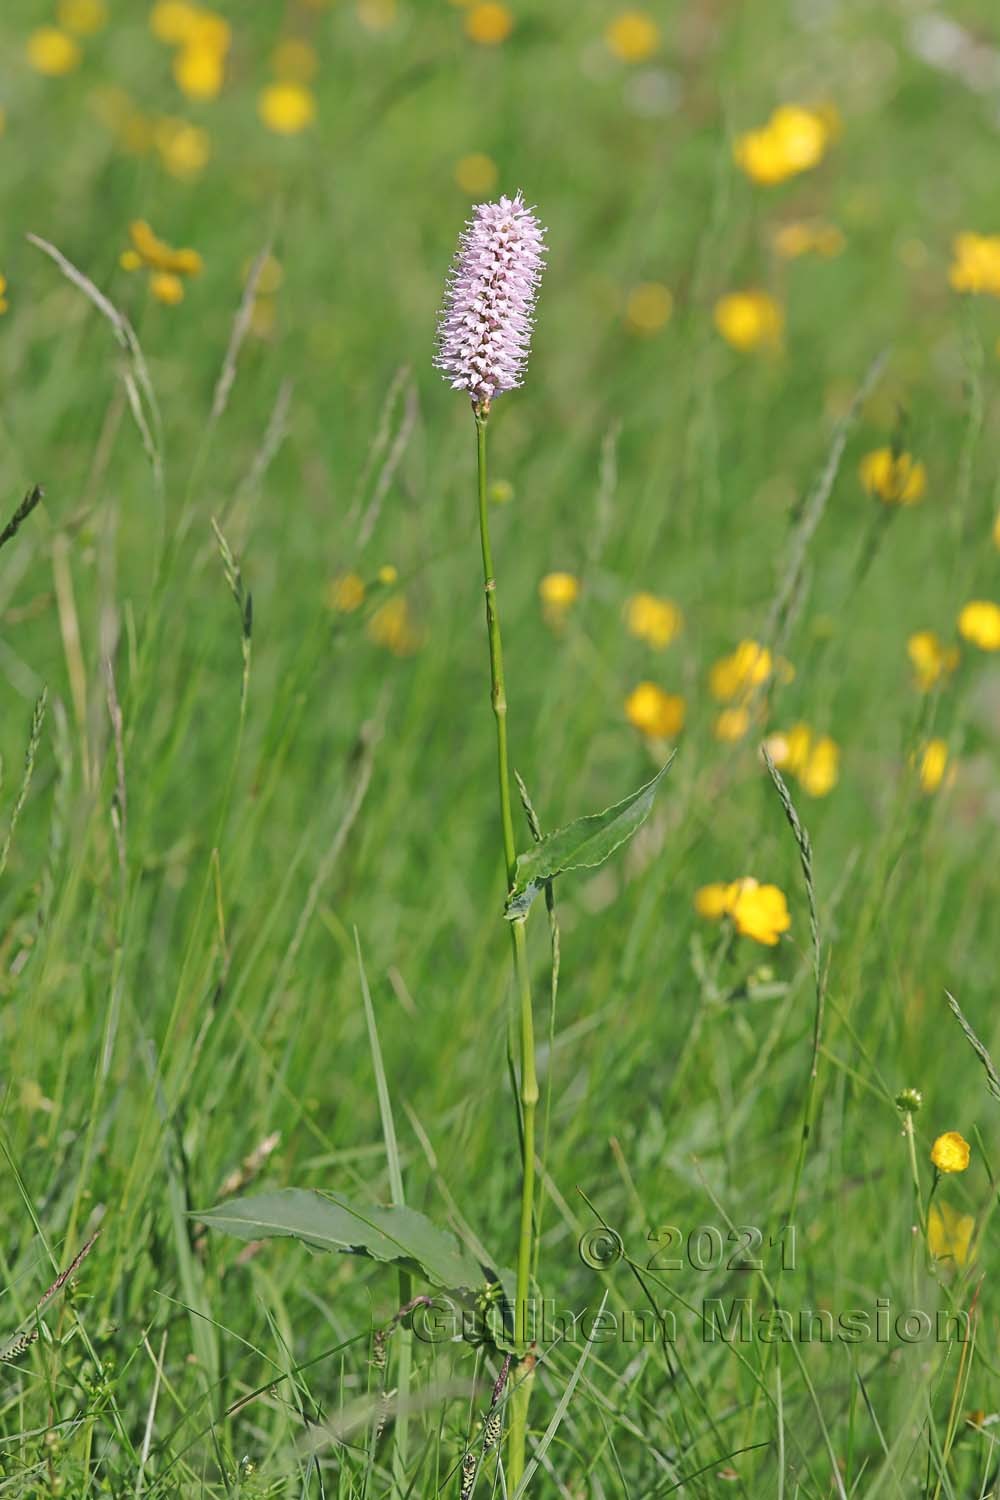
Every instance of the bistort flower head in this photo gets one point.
(485, 329)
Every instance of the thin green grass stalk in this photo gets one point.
(554, 945)
(404, 1337)
(528, 1079)
(805, 858)
(31, 755)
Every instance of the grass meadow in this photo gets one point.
(748, 494)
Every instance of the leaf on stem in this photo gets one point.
(583, 844)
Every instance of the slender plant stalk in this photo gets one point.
(529, 1080)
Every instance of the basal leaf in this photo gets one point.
(401, 1236)
(580, 845)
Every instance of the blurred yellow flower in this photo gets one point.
(148, 249)
(561, 589)
(392, 626)
(346, 593)
(388, 574)
(819, 775)
(793, 140)
(85, 17)
(294, 61)
(736, 675)
(476, 173)
(286, 108)
(976, 266)
(653, 620)
(4, 304)
(932, 764)
(199, 70)
(633, 36)
(656, 713)
(894, 478)
(805, 236)
(949, 1233)
(173, 21)
(732, 724)
(377, 15)
(756, 911)
(167, 286)
(814, 761)
(932, 660)
(184, 149)
(489, 23)
(53, 52)
(648, 307)
(558, 593)
(950, 1152)
(750, 320)
(979, 622)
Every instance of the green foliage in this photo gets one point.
(397, 1235)
(581, 845)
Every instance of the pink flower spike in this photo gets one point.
(484, 333)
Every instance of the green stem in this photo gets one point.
(529, 1081)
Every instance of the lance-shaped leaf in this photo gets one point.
(327, 1222)
(580, 845)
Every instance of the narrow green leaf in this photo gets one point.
(580, 845)
(400, 1236)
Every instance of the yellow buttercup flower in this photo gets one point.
(149, 250)
(731, 725)
(184, 148)
(976, 266)
(388, 574)
(750, 320)
(286, 108)
(653, 620)
(932, 660)
(633, 36)
(756, 911)
(815, 761)
(648, 307)
(167, 287)
(979, 622)
(793, 140)
(950, 1152)
(346, 593)
(747, 668)
(173, 21)
(809, 236)
(489, 23)
(476, 173)
(654, 712)
(84, 17)
(932, 764)
(558, 593)
(392, 626)
(4, 304)
(53, 52)
(199, 71)
(895, 478)
(949, 1233)
(819, 775)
